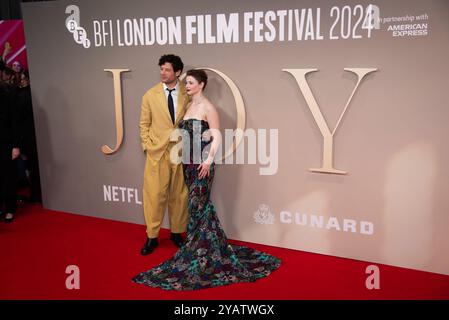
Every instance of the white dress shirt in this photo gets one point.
(174, 95)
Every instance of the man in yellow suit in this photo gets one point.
(163, 107)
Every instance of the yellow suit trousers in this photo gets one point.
(164, 185)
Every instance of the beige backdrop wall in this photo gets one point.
(392, 205)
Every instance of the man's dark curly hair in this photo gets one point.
(175, 61)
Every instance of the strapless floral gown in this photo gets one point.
(206, 259)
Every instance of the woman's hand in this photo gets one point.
(204, 169)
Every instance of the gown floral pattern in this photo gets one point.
(206, 259)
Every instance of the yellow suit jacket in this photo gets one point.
(155, 121)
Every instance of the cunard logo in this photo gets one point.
(264, 215)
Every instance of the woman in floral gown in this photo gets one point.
(206, 259)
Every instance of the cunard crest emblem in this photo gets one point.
(264, 215)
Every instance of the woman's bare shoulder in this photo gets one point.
(209, 106)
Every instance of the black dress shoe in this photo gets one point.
(9, 217)
(149, 246)
(177, 239)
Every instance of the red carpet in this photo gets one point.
(38, 246)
